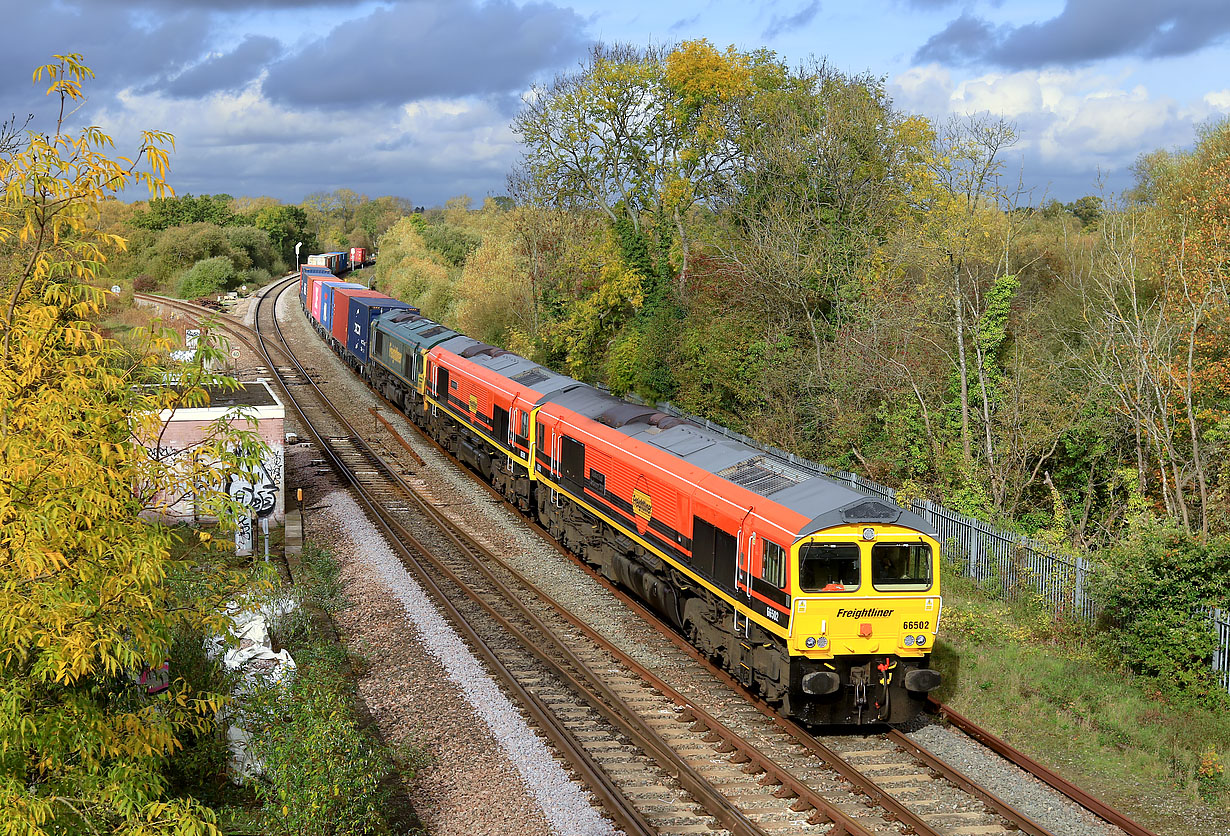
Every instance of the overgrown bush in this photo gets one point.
(323, 773)
(452, 243)
(254, 278)
(181, 247)
(1154, 585)
(324, 776)
(251, 248)
(207, 278)
(199, 769)
(144, 283)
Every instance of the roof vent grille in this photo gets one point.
(870, 511)
(763, 475)
(530, 377)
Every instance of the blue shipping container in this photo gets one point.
(326, 301)
(305, 272)
(362, 311)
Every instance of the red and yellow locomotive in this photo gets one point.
(823, 600)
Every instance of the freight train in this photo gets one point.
(821, 599)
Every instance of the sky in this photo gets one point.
(414, 98)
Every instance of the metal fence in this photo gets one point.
(1010, 564)
(1219, 620)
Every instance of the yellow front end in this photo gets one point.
(864, 614)
(865, 591)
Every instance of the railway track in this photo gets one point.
(656, 758)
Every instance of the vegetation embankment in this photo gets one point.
(102, 596)
(203, 246)
(1056, 691)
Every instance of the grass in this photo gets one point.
(1053, 691)
(324, 687)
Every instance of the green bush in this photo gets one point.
(324, 774)
(198, 769)
(1153, 585)
(180, 247)
(452, 243)
(251, 248)
(254, 278)
(207, 278)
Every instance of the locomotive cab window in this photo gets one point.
(828, 567)
(773, 564)
(898, 567)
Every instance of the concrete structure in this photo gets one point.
(185, 428)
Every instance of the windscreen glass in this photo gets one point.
(828, 567)
(901, 566)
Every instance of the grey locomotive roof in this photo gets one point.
(823, 501)
(509, 365)
(458, 343)
(414, 329)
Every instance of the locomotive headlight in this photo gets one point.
(811, 642)
(920, 640)
(908, 641)
(822, 642)
(869, 533)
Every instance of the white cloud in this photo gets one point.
(1070, 124)
(1218, 100)
(426, 151)
(924, 89)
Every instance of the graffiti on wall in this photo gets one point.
(258, 489)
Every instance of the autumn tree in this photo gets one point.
(285, 226)
(638, 135)
(180, 210)
(1157, 298)
(90, 591)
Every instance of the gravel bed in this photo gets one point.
(1011, 783)
(418, 660)
(507, 535)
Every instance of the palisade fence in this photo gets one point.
(1011, 564)
(1219, 620)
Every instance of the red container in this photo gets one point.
(358, 256)
(341, 306)
(314, 295)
